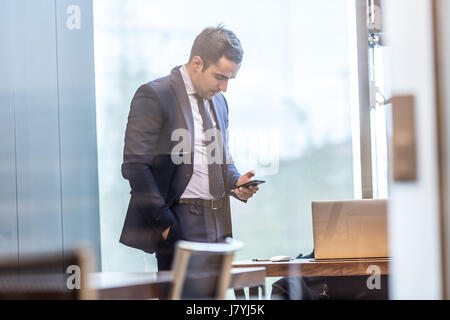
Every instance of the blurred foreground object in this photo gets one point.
(52, 276)
(202, 270)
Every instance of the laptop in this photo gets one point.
(350, 229)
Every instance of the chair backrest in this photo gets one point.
(202, 270)
(47, 276)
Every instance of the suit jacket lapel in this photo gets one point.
(177, 84)
(183, 103)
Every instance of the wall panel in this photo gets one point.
(37, 127)
(8, 203)
(76, 91)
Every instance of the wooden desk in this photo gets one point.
(149, 285)
(311, 268)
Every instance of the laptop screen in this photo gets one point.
(350, 228)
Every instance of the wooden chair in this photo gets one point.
(47, 276)
(202, 270)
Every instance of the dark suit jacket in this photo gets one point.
(157, 109)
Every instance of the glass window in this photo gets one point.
(378, 124)
(290, 115)
(379, 104)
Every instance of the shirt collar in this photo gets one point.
(187, 80)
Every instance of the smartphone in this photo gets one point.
(250, 183)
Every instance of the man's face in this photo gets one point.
(215, 78)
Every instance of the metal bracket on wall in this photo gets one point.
(404, 157)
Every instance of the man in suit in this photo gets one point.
(176, 152)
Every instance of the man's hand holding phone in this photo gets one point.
(246, 188)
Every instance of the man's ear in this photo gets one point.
(197, 64)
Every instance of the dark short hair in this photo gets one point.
(214, 43)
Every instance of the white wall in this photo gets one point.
(414, 212)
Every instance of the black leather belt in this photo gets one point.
(212, 204)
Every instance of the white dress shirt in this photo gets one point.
(198, 186)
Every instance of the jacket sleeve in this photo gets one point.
(145, 122)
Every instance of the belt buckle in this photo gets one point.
(215, 201)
